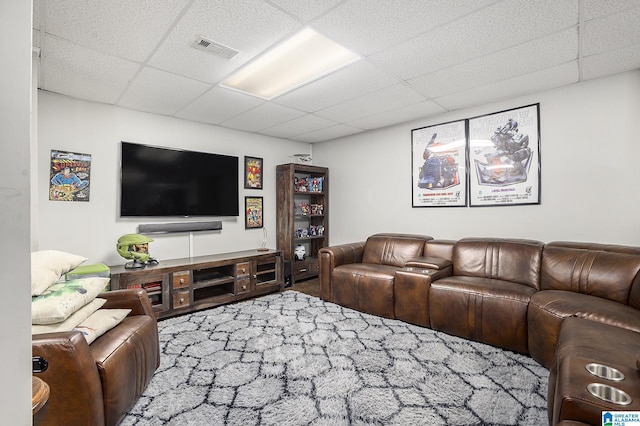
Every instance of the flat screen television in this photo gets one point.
(165, 182)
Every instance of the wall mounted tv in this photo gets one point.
(164, 182)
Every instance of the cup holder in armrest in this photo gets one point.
(609, 393)
(604, 371)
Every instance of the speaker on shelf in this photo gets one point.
(151, 228)
(288, 282)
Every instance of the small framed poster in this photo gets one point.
(69, 176)
(253, 212)
(438, 164)
(504, 157)
(252, 173)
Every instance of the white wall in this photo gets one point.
(15, 117)
(590, 151)
(92, 228)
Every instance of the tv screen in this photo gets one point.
(169, 182)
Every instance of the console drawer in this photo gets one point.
(181, 299)
(181, 279)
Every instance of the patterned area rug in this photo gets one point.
(293, 359)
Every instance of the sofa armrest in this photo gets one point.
(73, 378)
(330, 258)
(134, 299)
(428, 262)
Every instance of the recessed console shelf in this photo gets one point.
(178, 286)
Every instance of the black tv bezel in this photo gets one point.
(147, 214)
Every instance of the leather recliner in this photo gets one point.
(361, 275)
(98, 384)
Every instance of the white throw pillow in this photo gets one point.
(47, 266)
(100, 322)
(75, 318)
(61, 300)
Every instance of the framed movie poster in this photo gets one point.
(253, 212)
(69, 176)
(504, 157)
(438, 164)
(252, 173)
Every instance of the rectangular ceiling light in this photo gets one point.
(304, 57)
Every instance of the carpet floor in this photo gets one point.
(293, 359)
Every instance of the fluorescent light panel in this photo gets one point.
(304, 57)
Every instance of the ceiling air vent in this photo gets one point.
(219, 49)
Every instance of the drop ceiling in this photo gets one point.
(419, 57)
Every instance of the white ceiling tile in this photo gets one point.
(352, 81)
(387, 99)
(488, 30)
(306, 9)
(401, 115)
(98, 77)
(217, 105)
(367, 29)
(596, 8)
(613, 62)
(304, 124)
(249, 26)
(599, 38)
(531, 83)
(161, 92)
(329, 133)
(129, 29)
(525, 58)
(263, 116)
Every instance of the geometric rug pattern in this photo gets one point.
(293, 359)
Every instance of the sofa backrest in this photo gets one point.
(439, 248)
(514, 260)
(608, 271)
(393, 249)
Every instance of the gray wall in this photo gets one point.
(92, 228)
(590, 149)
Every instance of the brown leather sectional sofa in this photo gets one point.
(98, 384)
(566, 304)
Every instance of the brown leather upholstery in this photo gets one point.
(587, 283)
(98, 384)
(330, 258)
(411, 293)
(361, 275)
(583, 341)
(492, 283)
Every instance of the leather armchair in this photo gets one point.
(492, 282)
(98, 384)
(361, 275)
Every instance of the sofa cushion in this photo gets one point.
(365, 287)
(608, 275)
(512, 260)
(549, 308)
(47, 266)
(393, 249)
(61, 300)
(73, 320)
(100, 322)
(481, 309)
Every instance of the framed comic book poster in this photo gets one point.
(253, 212)
(253, 172)
(69, 176)
(504, 157)
(438, 164)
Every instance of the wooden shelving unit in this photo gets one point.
(303, 215)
